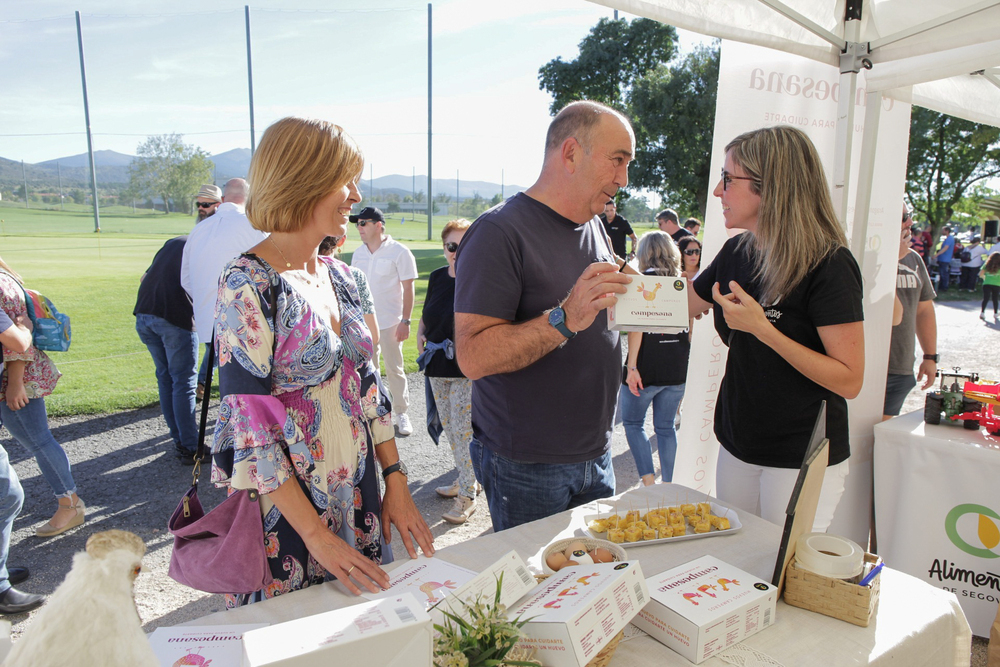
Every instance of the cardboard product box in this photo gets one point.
(705, 606)
(391, 632)
(578, 610)
(654, 304)
(218, 645)
(517, 582)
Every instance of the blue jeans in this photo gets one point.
(30, 427)
(518, 492)
(665, 400)
(175, 353)
(11, 499)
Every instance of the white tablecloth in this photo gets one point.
(937, 509)
(916, 624)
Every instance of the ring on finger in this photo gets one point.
(351, 570)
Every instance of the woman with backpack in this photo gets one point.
(28, 378)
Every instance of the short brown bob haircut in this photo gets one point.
(298, 162)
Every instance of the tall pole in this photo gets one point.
(253, 142)
(24, 178)
(430, 181)
(59, 171)
(502, 195)
(413, 191)
(86, 114)
(456, 193)
(371, 182)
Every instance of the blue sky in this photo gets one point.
(180, 67)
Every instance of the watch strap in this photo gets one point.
(395, 467)
(560, 324)
(932, 357)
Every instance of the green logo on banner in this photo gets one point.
(987, 530)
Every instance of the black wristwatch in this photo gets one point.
(557, 318)
(936, 358)
(398, 466)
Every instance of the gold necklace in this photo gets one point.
(288, 264)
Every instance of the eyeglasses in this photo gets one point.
(907, 216)
(206, 204)
(362, 223)
(451, 246)
(728, 178)
(692, 251)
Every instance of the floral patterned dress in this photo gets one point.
(298, 402)
(40, 373)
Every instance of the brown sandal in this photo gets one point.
(48, 530)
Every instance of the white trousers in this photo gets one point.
(765, 491)
(392, 356)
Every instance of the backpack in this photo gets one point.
(966, 256)
(52, 330)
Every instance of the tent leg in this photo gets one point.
(866, 173)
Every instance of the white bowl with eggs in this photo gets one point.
(561, 551)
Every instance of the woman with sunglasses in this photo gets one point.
(690, 249)
(656, 369)
(452, 391)
(787, 296)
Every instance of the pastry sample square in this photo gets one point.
(705, 606)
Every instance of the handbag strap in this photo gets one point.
(200, 453)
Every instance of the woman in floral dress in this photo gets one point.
(304, 418)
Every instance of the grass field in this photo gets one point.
(94, 277)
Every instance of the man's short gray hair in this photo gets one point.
(668, 214)
(578, 120)
(235, 190)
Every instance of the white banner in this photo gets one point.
(949, 538)
(760, 87)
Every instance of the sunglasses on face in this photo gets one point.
(692, 251)
(907, 216)
(362, 223)
(451, 246)
(205, 204)
(727, 179)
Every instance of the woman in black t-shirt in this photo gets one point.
(452, 391)
(788, 305)
(655, 371)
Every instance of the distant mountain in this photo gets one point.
(231, 164)
(101, 159)
(403, 186)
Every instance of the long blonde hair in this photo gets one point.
(657, 251)
(797, 226)
(12, 272)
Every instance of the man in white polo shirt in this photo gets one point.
(391, 270)
(210, 246)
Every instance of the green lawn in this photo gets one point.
(94, 277)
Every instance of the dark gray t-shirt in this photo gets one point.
(518, 260)
(913, 285)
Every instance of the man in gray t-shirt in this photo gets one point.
(913, 313)
(534, 276)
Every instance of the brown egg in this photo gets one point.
(555, 561)
(570, 563)
(574, 546)
(602, 555)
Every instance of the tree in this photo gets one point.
(948, 156)
(168, 168)
(612, 58)
(672, 108)
(673, 112)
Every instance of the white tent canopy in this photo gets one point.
(939, 48)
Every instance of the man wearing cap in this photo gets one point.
(391, 271)
(617, 228)
(210, 246)
(207, 201)
(668, 221)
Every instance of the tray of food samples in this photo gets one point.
(689, 521)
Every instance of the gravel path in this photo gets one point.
(127, 475)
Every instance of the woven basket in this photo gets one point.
(604, 656)
(589, 543)
(833, 597)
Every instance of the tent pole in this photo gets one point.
(801, 20)
(934, 23)
(866, 174)
(845, 116)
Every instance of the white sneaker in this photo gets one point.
(982, 316)
(460, 511)
(403, 424)
(452, 491)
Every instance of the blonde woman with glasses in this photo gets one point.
(787, 296)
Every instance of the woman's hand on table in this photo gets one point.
(742, 312)
(345, 562)
(399, 509)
